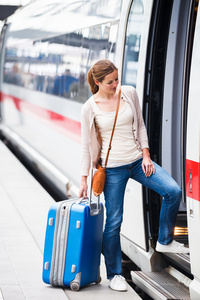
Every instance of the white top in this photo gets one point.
(124, 149)
(91, 144)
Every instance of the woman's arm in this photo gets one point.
(141, 128)
(85, 154)
(85, 137)
(147, 164)
(83, 187)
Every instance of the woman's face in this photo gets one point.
(110, 83)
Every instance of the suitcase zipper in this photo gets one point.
(63, 240)
(60, 243)
(57, 219)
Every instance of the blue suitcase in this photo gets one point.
(73, 243)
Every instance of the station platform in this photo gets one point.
(24, 205)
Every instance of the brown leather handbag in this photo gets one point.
(99, 177)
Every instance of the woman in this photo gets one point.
(128, 158)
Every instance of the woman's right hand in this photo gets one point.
(84, 187)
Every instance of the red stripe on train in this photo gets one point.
(66, 126)
(193, 179)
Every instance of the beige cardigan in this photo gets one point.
(90, 142)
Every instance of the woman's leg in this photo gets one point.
(116, 180)
(162, 183)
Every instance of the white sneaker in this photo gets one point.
(174, 247)
(118, 283)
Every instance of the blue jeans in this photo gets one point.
(116, 180)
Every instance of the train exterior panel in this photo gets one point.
(193, 165)
(47, 49)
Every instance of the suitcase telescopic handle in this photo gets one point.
(95, 207)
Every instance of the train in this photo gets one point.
(46, 50)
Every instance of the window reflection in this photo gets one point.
(132, 45)
(59, 65)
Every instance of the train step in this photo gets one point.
(164, 285)
(179, 259)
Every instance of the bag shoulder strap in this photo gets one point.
(116, 114)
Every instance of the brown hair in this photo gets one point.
(99, 71)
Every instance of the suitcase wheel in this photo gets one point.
(74, 286)
(99, 277)
(98, 280)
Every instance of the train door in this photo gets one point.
(153, 100)
(165, 84)
(193, 164)
(166, 98)
(171, 112)
(135, 26)
(141, 216)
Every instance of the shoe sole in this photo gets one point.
(181, 252)
(118, 290)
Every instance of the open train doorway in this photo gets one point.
(165, 103)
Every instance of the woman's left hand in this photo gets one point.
(147, 164)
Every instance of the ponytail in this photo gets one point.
(93, 87)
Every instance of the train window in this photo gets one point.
(59, 65)
(132, 43)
